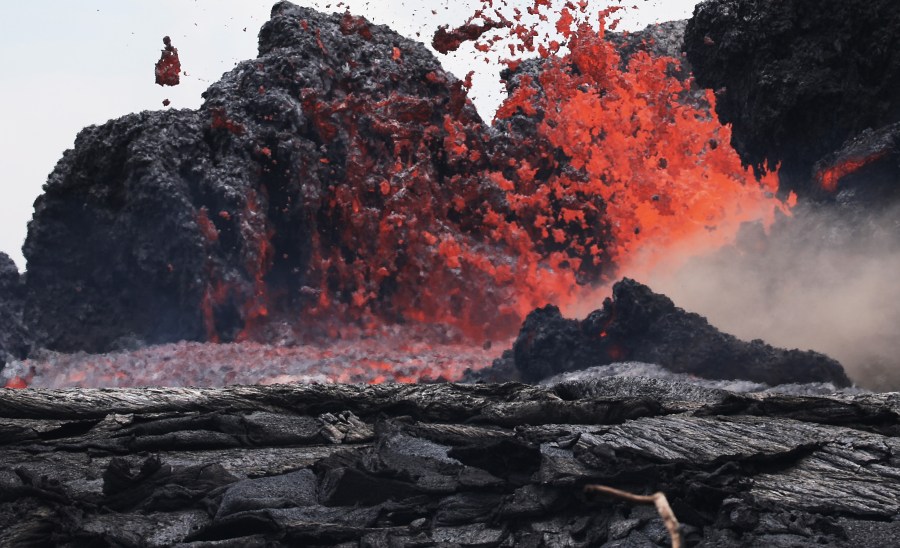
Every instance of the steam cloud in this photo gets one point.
(825, 279)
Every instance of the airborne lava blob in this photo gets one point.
(168, 68)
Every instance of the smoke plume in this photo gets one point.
(824, 279)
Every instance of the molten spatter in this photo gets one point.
(653, 160)
(446, 40)
(168, 68)
(829, 177)
(630, 150)
(428, 219)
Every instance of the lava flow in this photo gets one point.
(829, 177)
(392, 354)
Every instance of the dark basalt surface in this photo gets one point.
(797, 78)
(96, 273)
(445, 465)
(639, 325)
(15, 340)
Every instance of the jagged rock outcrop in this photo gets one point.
(15, 340)
(798, 78)
(462, 465)
(639, 325)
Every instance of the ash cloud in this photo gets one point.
(824, 279)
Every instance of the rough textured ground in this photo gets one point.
(391, 355)
(432, 465)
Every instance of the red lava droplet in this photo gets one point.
(168, 67)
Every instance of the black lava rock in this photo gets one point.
(115, 247)
(446, 465)
(639, 325)
(15, 340)
(797, 78)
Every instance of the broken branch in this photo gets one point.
(658, 499)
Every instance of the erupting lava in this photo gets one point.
(622, 161)
(405, 208)
(638, 143)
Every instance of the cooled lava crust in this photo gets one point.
(637, 324)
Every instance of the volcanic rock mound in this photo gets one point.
(343, 178)
(639, 325)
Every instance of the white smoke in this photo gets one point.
(827, 279)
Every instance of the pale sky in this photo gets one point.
(67, 65)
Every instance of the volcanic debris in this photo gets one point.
(637, 324)
(168, 68)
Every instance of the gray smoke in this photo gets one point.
(826, 279)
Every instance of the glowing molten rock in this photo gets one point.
(390, 355)
(168, 68)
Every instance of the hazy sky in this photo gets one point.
(67, 65)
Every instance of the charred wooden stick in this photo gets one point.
(658, 499)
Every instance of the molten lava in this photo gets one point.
(620, 165)
(168, 68)
(829, 177)
(652, 159)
